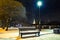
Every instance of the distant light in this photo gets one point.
(39, 3)
(34, 21)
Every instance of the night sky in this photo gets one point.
(49, 11)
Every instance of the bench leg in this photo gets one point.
(35, 34)
(21, 35)
(38, 33)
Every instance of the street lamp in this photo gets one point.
(39, 4)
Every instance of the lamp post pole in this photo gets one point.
(39, 4)
(39, 16)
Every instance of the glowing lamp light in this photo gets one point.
(39, 3)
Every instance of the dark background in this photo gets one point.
(49, 11)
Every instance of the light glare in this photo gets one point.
(39, 3)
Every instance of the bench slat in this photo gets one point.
(29, 33)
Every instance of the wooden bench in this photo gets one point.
(28, 30)
(56, 30)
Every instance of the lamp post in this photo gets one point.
(39, 4)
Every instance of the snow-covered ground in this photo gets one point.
(46, 34)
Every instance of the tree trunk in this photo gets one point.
(6, 28)
(7, 23)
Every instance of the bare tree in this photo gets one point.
(10, 9)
